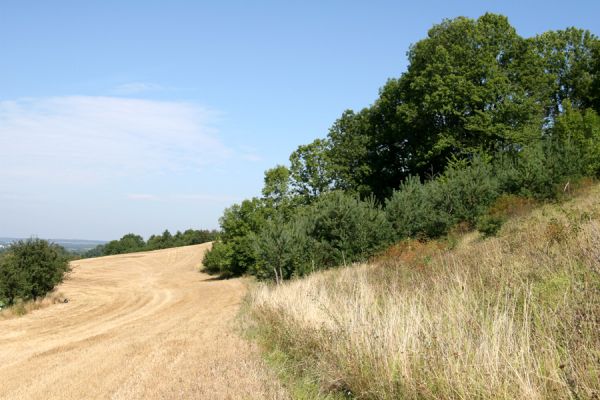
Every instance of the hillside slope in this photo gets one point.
(513, 316)
(137, 326)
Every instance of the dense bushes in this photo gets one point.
(480, 113)
(30, 269)
(131, 243)
(465, 191)
(429, 209)
(273, 243)
(338, 228)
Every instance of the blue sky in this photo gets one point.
(137, 116)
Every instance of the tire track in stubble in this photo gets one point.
(144, 325)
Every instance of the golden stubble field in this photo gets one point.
(137, 326)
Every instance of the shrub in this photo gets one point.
(283, 250)
(407, 209)
(344, 229)
(30, 269)
(336, 229)
(238, 224)
(461, 194)
(580, 129)
(467, 190)
(217, 259)
(489, 224)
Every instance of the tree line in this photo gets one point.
(131, 242)
(480, 114)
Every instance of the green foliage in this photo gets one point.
(131, 243)
(336, 229)
(97, 251)
(488, 224)
(218, 259)
(30, 269)
(236, 253)
(345, 229)
(407, 210)
(466, 85)
(277, 184)
(282, 249)
(594, 92)
(429, 209)
(350, 152)
(568, 64)
(481, 113)
(579, 131)
(472, 87)
(194, 236)
(311, 169)
(157, 242)
(127, 244)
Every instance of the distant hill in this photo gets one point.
(74, 245)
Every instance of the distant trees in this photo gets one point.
(31, 268)
(127, 244)
(131, 243)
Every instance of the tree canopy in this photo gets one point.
(480, 112)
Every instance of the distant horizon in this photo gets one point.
(50, 239)
(5, 237)
(175, 112)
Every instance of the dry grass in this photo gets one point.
(137, 326)
(21, 308)
(516, 316)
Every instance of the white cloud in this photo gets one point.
(205, 197)
(253, 157)
(249, 153)
(188, 197)
(80, 138)
(142, 196)
(136, 88)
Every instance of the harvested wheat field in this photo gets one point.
(137, 326)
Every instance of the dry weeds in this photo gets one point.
(512, 317)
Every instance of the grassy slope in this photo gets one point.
(515, 316)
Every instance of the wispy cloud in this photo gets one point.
(141, 196)
(132, 88)
(79, 138)
(249, 154)
(187, 197)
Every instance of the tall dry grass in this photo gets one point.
(24, 307)
(511, 317)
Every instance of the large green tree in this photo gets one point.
(351, 144)
(310, 169)
(472, 86)
(568, 63)
(276, 187)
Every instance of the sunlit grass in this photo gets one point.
(515, 316)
